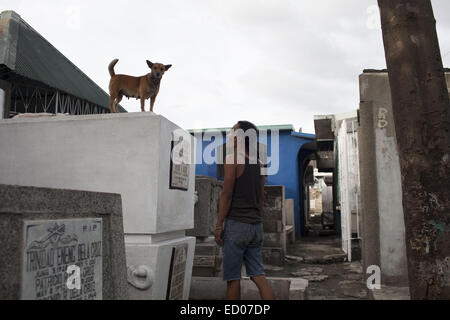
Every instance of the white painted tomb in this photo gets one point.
(129, 154)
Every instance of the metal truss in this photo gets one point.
(33, 99)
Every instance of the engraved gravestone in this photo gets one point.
(61, 245)
(177, 272)
(155, 214)
(179, 162)
(51, 248)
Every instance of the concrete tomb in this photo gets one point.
(290, 220)
(274, 225)
(61, 245)
(383, 224)
(144, 157)
(208, 260)
(208, 255)
(213, 288)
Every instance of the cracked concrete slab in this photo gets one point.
(332, 278)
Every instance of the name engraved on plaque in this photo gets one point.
(51, 247)
(177, 272)
(179, 163)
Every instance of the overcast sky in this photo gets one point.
(269, 62)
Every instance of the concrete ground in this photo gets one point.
(322, 261)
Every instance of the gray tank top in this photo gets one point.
(246, 195)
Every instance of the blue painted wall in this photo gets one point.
(290, 168)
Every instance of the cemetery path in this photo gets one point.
(322, 262)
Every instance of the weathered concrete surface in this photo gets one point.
(378, 132)
(18, 203)
(390, 293)
(205, 218)
(157, 257)
(298, 289)
(370, 222)
(289, 211)
(273, 255)
(208, 255)
(382, 224)
(129, 154)
(207, 207)
(207, 288)
(207, 259)
(290, 220)
(280, 287)
(274, 225)
(318, 250)
(213, 288)
(328, 280)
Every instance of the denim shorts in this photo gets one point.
(242, 243)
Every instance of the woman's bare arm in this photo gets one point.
(261, 197)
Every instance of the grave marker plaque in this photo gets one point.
(179, 163)
(177, 272)
(50, 248)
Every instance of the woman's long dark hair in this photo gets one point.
(246, 125)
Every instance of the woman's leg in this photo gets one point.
(265, 290)
(233, 290)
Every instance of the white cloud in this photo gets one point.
(267, 61)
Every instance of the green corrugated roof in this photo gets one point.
(280, 127)
(26, 53)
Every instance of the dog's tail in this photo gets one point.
(111, 67)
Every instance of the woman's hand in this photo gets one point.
(218, 236)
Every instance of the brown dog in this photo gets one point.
(136, 87)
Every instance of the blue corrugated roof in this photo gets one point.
(280, 127)
(303, 135)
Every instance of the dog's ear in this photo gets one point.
(150, 64)
(167, 67)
